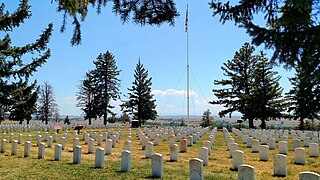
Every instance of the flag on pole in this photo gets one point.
(186, 23)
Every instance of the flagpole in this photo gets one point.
(188, 68)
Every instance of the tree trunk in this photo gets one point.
(301, 123)
(20, 122)
(89, 121)
(46, 120)
(251, 126)
(28, 120)
(105, 119)
(263, 123)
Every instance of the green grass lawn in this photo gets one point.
(18, 167)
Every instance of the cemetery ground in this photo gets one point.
(20, 167)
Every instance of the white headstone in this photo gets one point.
(20, 139)
(91, 146)
(157, 165)
(58, 152)
(232, 148)
(306, 175)
(264, 139)
(172, 139)
(39, 140)
(125, 161)
(27, 146)
(77, 155)
(156, 139)
(100, 139)
(272, 143)
(149, 150)
(127, 145)
(41, 150)
(295, 143)
(283, 147)
(50, 141)
(55, 137)
(183, 145)
(63, 142)
(306, 141)
(174, 152)
(237, 159)
(196, 169)
(280, 165)
(245, 172)
(300, 156)
(108, 147)
(264, 152)
(249, 142)
(14, 147)
(114, 141)
(3, 145)
(314, 150)
(255, 145)
(99, 158)
(203, 154)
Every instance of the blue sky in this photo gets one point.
(162, 50)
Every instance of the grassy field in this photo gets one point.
(18, 167)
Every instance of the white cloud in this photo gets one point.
(169, 92)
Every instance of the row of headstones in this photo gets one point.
(184, 140)
(263, 150)
(6, 128)
(246, 172)
(271, 142)
(280, 161)
(110, 143)
(278, 135)
(157, 159)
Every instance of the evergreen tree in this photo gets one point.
(142, 12)
(291, 27)
(24, 99)
(267, 92)
(108, 84)
(206, 118)
(292, 31)
(141, 103)
(14, 71)
(238, 91)
(304, 97)
(47, 105)
(86, 97)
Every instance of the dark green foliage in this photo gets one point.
(113, 119)
(292, 27)
(17, 98)
(152, 12)
(267, 92)
(86, 97)
(141, 103)
(207, 119)
(252, 88)
(47, 106)
(238, 91)
(24, 100)
(107, 84)
(99, 88)
(304, 97)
